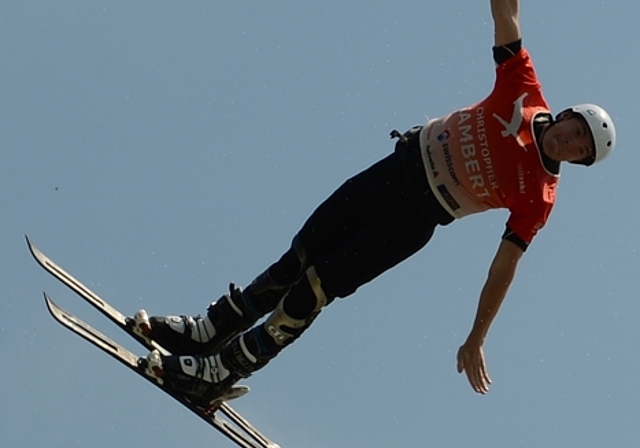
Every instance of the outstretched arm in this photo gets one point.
(501, 274)
(506, 20)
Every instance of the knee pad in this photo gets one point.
(284, 328)
(316, 287)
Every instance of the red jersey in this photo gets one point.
(486, 156)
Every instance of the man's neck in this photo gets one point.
(541, 123)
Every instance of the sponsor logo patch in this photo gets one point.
(448, 197)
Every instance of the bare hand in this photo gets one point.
(471, 361)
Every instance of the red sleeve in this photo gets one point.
(517, 70)
(526, 220)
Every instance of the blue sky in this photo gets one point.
(159, 150)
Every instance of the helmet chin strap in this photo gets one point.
(541, 124)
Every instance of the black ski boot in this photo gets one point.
(225, 318)
(232, 314)
(207, 381)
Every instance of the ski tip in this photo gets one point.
(37, 254)
(49, 301)
(54, 309)
(33, 249)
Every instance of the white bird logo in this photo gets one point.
(511, 128)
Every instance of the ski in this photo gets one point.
(233, 425)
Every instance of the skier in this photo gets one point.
(503, 152)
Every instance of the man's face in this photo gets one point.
(568, 140)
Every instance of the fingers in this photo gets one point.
(472, 363)
(479, 379)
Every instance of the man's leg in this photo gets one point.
(233, 313)
(332, 224)
(208, 378)
(376, 227)
(378, 247)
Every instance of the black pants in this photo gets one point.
(375, 220)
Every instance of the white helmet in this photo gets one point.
(602, 130)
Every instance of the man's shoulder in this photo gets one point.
(520, 60)
(503, 53)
